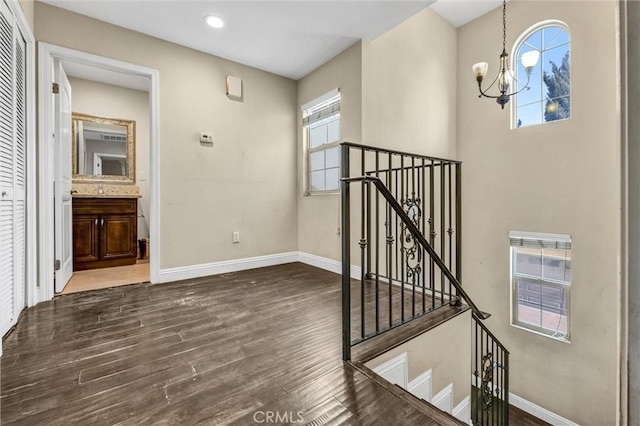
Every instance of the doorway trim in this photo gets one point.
(46, 53)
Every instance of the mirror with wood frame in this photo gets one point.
(103, 149)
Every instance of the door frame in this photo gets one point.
(46, 53)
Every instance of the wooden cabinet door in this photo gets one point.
(85, 238)
(118, 236)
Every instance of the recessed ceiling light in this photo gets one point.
(214, 21)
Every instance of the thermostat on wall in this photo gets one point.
(206, 138)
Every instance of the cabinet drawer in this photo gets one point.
(104, 205)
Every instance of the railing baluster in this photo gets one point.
(377, 224)
(450, 230)
(432, 272)
(345, 201)
(482, 402)
(459, 222)
(476, 376)
(495, 406)
(442, 238)
(398, 238)
(402, 250)
(390, 243)
(363, 246)
(369, 241)
(423, 271)
(505, 385)
(500, 375)
(415, 243)
(486, 336)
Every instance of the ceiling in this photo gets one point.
(288, 38)
(459, 12)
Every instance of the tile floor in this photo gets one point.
(95, 279)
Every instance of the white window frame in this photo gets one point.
(514, 66)
(544, 241)
(315, 105)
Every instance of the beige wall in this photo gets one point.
(105, 100)
(319, 215)
(446, 350)
(399, 92)
(28, 9)
(561, 177)
(245, 182)
(409, 87)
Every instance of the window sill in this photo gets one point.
(563, 339)
(322, 193)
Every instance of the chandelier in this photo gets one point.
(505, 78)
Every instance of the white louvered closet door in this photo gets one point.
(12, 169)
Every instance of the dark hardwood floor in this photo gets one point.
(239, 348)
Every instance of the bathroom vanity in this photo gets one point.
(105, 197)
(105, 232)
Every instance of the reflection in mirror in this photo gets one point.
(103, 149)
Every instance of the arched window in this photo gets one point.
(548, 98)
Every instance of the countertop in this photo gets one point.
(106, 196)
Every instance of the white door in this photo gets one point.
(62, 194)
(12, 170)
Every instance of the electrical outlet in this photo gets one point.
(236, 237)
(143, 175)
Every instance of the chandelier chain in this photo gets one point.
(504, 25)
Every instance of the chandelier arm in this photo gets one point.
(526, 86)
(484, 93)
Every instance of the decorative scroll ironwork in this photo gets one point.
(411, 249)
(486, 381)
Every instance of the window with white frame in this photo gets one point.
(548, 97)
(541, 282)
(321, 121)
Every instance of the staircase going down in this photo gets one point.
(401, 279)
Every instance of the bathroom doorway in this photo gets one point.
(113, 118)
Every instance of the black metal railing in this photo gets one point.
(404, 275)
(490, 386)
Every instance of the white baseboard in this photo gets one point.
(444, 399)
(226, 266)
(421, 386)
(539, 412)
(327, 264)
(462, 411)
(395, 370)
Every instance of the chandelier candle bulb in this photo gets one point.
(480, 69)
(530, 59)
